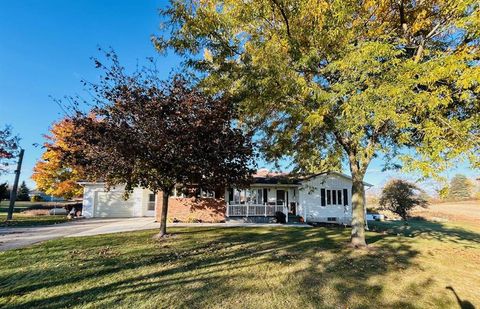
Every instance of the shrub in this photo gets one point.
(36, 198)
(400, 196)
(36, 212)
(280, 217)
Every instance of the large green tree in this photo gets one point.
(328, 82)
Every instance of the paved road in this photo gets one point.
(13, 238)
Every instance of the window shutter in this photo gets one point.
(322, 195)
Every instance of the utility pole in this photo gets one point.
(13, 193)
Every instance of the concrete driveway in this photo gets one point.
(14, 238)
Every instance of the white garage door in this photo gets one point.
(111, 204)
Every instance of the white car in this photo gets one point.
(375, 217)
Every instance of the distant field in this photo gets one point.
(465, 211)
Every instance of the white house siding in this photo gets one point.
(310, 199)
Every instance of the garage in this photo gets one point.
(111, 204)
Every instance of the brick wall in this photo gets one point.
(190, 209)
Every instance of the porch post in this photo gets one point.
(228, 207)
(286, 210)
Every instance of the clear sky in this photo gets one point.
(45, 50)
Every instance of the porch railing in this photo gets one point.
(255, 210)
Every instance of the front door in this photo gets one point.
(280, 197)
(150, 211)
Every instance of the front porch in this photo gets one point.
(262, 201)
(255, 210)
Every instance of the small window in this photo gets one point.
(178, 192)
(207, 194)
(329, 197)
(330, 219)
(339, 193)
(322, 197)
(345, 197)
(334, 197)
(151, 201)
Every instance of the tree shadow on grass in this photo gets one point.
(216, 266)
(428, 229)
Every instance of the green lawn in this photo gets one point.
(21, 220)
(275, 267)
(25, 220)
(19, 206)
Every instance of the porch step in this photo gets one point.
(294, 219)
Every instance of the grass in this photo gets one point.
(21, 220)
(26, 220)
(274, 267)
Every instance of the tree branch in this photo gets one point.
(284, 15)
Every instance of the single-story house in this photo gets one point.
(323, 197)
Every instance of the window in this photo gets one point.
(178, 192)
(151, 202)
(322, 197)
(329, 197)
(207, 194)
(339, 193)
(256, 197)
(331, 219)
(345, 197)
(334, 197)
(280, 197)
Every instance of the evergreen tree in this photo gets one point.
(23, 191)
(460, 188)
(3, 191)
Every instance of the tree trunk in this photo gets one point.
(163, 216)
(358, 211)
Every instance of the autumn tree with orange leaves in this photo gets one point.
(51, 174)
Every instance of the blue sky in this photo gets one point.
(45, 51)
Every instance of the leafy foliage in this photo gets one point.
(4, 192)
(23, 191)
(329, 82)
(400, 196)
(156, 134)
(53, 175)
(8, 147)
(460, 188)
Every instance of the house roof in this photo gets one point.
(264, 176)
(274, 179)
(334, 173)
